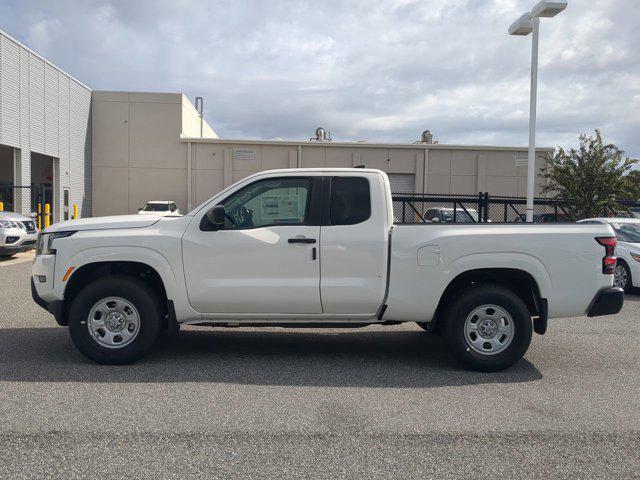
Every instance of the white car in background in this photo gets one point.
(446, 215)
(627, 230)
(17, 233)
(159, 207)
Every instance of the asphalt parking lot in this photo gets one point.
(379, 402)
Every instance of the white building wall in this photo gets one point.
(44, 110)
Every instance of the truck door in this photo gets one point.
(265, 258)
(353, 245)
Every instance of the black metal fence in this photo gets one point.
(16, 198)
(418, 208)
(25, 199)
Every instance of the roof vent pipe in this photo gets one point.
(426, 138)
(321, 135)
(200, 110)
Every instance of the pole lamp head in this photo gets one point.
(522, 26)
(547, 9)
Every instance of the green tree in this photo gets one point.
(590, 179)
(633, 184)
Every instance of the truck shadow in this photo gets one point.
(353, 358)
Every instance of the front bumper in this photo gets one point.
(606, 302)
(16, 240)
(55, 307)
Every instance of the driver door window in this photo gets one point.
(277, 201)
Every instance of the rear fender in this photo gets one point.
(518, 261)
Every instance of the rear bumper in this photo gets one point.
(606, 302)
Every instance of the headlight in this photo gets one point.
(9, 224)
(636, 257)
(45, 241)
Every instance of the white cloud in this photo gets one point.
(362, 69)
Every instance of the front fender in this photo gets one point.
(129, 254)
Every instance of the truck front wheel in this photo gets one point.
(115, 320)
(488, 328)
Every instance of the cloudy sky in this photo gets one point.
(366, 70)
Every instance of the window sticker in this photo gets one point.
(280, 207)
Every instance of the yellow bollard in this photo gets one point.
(75, 211)
(1, 207)
(39, 216)
(47, 215)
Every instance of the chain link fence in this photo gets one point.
(420, 208)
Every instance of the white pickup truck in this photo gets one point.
(318, 247)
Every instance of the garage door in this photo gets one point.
(402, 183)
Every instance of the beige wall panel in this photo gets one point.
(147, 184)
(402, 160)
(110, 134)
(522, 188)
(464, 184)
(312, 157)
(245, 165)
(375, 158)
(209, 156)
(439, 162)
(438, 184)
(502, 185)
(276, 157)
(501, 164)
(191, 121)
(155, 129)
(540, 163)
(339, 157)
(142, 97)
(419, 183)
(207, 184)
(464, 162)
(109, 96)
(482, 173)
(240, 174)
(110, 191)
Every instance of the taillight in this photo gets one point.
(609, 260)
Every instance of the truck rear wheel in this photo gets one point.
(488, 328)
(115, 320)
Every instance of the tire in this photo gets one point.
(622, 276)
(488, 328)
(132, 303)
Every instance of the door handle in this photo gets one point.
(302, 240)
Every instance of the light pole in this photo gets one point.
(526, 24)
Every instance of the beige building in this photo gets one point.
(147, 146)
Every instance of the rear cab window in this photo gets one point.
(350, 200)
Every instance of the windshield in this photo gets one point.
(627, 232)
(155, 207)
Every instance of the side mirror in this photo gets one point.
(216, 215)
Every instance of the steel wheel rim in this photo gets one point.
(113, 322)
(620, 277)
(489, 330)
